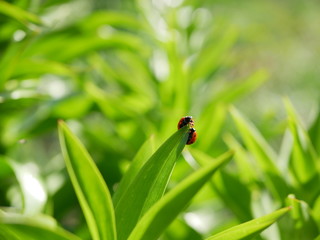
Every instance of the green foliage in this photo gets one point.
(161, 214)
(250, 229)
(17, 226)
(88, 184)
(117, 76)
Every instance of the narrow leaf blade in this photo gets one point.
(250, 229)
(139, 160)
(91, 190)
(166, 210)
(29, 232)
(263, 154)
(14, 226)
(149, 184)
(304, 159)
(18, 14)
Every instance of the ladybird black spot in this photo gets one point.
(192, 136)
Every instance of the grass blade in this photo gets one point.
(28, 232)
(247, 172)
(205, 63)
(31, 68)
(18, 14)
(109, 18)
(263, 154)
(34, 194)
(304, 159)
(15, 226)
(228, 187)
(139, 160)
(91, 190)
(166, 210)
(299, 224)
(149, 184)
(250, 229)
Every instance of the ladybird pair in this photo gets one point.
(187, 120)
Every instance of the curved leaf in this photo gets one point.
(264, 155)
(149, 184)
(15, 226)
(250, 229)
(91, 190)
(18, 14)
(28, 232)
(166, 210)
(304, 162)
(139, 160)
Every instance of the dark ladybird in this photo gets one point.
(192, 136)
(184, 121)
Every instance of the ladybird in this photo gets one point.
(192, 136)
(184, 121)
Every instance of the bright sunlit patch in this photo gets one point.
(19, 35)
(202, 223)
(162, 29)
(54, 182)
(184, 16)
(63, 14)
(53, 86)
(190, 160)
(34, 194)
(105, 31)
(172, 3)
(22, 94)
(33, 187)
(202, 17)
(160, 65)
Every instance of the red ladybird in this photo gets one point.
(184, 121)
(192, 136)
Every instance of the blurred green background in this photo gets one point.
(120, 72)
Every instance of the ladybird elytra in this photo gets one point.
(192, 137)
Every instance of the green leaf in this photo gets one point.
(304, 160)
(70, 106)
(299, 224)
(213, 53)
(179, 229)
(314, 132)
(10, 58)
(15, 226)
(264, 155)
(91, 190)
(109, 18)
(35, 197)
(215, 111)
(139, 160)
(149, 184)
(250, 229)
(212, 119)
(228, 187)
(246, 170)
(166, 210)
(28, 232)
(32, 68)
(18, 14)
(236, 90)
(81, 45)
